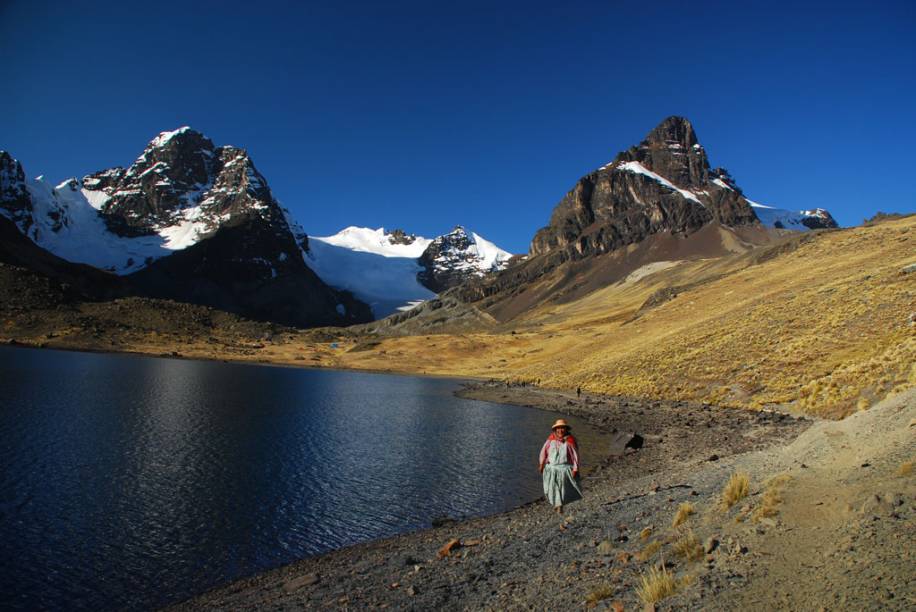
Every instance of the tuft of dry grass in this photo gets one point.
(648, 551)
(655, 585)
(645, 533)
(683, 513)
(688, 546)
(735, 489)
(905, 469)
(601, 593)
(771, 498)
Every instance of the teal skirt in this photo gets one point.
(559, 485)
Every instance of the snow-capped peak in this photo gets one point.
(453, 258)
(485, 256)
(377, 241)
(164, 137)
(391, 270)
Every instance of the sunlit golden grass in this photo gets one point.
(683, 513)
(771, 498)
(687, 546)
(736, 489)
(601, 593)
(905, 469)
(655, 585)
(648, 551)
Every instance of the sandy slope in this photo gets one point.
(845, 531)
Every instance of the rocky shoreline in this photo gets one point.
(530, 558)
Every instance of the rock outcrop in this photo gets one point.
(453, 258)
(15, 202)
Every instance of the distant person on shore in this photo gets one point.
(578, 391)
(559, 467)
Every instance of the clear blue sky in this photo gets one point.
(423, 115)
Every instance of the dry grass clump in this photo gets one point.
(905, 469)
(601, 593)
(735, 489)
(772, 497)
(688, 546)
(657, 584)
(645, 533)
(683, 513)
(648, 551)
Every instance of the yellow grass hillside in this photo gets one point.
(827, 328)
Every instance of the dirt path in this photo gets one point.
(530, 558)
(844, 533)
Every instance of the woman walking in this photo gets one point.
(559, 466)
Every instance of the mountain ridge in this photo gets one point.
(182, 190)
(186, 221)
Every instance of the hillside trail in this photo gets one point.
(844, 531)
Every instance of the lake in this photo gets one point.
(136, 482)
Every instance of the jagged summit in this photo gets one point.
(674, 131)
(181, 177)
(165, 137)
(661, 185)
(671, 150)
(452, 258)
(664, 184)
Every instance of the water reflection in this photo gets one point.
(133, 482)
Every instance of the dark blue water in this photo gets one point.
(135, 482)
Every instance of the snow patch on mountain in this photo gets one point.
(367, 263)
(377, 242)
(491, 256)
(385, 269)
(65, 222)
(164, 137)
(785, 219)
(638, 168)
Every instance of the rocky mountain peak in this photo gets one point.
(179, 175)
(671, 150)
(662, 184)
(457, 238)
(452, 258)
(672, 132)
(819, 218)
(185, 155)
